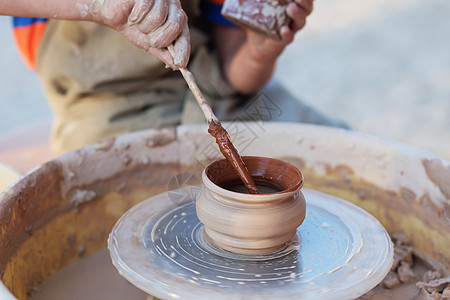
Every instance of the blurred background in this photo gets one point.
(382, 66)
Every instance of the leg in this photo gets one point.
(99, 85)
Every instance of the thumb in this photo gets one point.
(165, 56)
(139, 39)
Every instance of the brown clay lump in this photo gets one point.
(264, 16)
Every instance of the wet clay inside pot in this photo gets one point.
(270, 174)
(238, 221)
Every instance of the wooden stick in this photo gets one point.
(201, 100)
(198, 95)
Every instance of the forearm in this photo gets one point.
(148, 24)
(60, 9)
(245, 67)
(246, 74)
(249, 58)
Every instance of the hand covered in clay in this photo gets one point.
(264, 49)
(152, 25)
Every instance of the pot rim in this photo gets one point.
(255, 198)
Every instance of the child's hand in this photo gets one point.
(298, 11)
(263, 49)
(249, 58)
(152, 25)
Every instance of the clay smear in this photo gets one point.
(412, 276)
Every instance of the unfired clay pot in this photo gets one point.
(65, 209)
(248, 223)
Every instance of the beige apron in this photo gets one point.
(99, 85)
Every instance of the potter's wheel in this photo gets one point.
(340, 252)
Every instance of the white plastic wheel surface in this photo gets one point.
(340, 252)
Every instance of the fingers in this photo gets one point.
(166, 34)
(156, 17)
(163, 23)
(154, 25)
(182, 48)
(305, 5)
(298, 11)
(287, 35)
(165, 56)
(139, 11)
(139, 39)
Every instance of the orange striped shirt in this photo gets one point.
(28, 33)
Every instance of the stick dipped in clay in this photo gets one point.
(219, 133)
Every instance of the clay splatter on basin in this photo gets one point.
(41, 231)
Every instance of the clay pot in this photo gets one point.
(248, 223)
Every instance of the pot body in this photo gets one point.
(248, 223)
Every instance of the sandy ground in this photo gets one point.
(382, 66)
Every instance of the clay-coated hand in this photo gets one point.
(152, 25)
(266, 49)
